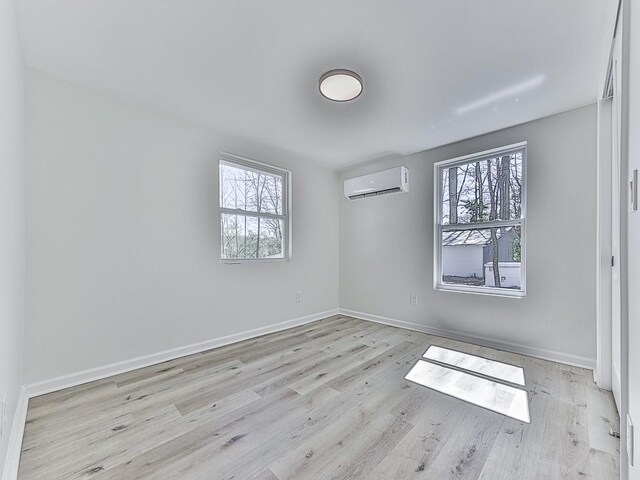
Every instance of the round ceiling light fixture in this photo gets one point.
(340, 85)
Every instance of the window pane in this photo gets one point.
(270, 194)
(249, 190)
(235, 189)
(483, 190)
(271, 234)
(245, 237)
(487, 257)
(239, 236)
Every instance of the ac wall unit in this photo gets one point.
(394, 180)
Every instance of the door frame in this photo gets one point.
(603, 372)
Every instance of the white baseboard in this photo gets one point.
(86, 376)
(551, 355)
(12, 459)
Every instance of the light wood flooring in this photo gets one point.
(327, 400)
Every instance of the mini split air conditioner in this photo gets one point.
(394, 180)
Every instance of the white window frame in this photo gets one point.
(230, 159)
(439, 227)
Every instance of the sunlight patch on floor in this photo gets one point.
(489, 368)
(504, 399)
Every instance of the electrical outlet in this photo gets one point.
(630, 440)
(3, 418)
(298, 297)
(413, 299)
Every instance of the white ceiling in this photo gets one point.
(434, 71)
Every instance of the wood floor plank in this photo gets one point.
(356, 412)
(392, 359)
(265, 475)
(604, 465)
(340, 365)
(413, 456)
(565, 444)
(467, 447)
(516, 452)
(249, 447)
(202, 440)
(326, 400)
(602, 417)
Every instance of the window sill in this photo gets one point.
(486, 291)
(253, 260)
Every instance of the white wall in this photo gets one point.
(12, 250)
(123, 235)
(386, 244)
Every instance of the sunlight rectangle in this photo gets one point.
(499, 398)
(472, 363)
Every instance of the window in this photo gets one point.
(480, 206)
(254, 211)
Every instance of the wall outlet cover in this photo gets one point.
(298, 297)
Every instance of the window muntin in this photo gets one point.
(254, 222)
(480, 220)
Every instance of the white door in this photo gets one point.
(615, 226)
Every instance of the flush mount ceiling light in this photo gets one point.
(340, 85)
